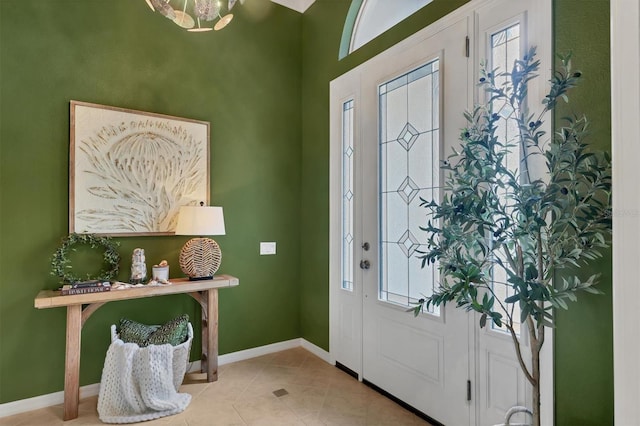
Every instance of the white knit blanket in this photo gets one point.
(138, 384)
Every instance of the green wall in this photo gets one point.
(245, 80)
(584, 335)
(583, 341)
(263, 83)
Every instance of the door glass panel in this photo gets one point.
(409, 144)
(505, 49)
(347, 195)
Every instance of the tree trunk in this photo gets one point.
(535, 373)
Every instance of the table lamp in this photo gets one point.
(200, 257)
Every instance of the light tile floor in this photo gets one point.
(318, 394)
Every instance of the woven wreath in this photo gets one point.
(61, 264)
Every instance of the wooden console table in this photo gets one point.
(204, 292)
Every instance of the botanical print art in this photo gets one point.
(131, 171)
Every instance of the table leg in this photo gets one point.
(210, 336)
(72, 362)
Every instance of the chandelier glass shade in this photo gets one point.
(196, 15)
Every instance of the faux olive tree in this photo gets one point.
(496, 221)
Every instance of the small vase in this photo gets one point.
(160, 273)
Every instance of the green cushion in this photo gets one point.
(173, 332)
(134, 332)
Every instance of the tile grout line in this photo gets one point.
(235, 400)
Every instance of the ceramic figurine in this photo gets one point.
(138, 267)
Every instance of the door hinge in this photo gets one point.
(468, 390)
(466, 46)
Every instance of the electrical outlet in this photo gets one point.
(267, 248)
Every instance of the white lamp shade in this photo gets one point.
(200, 220)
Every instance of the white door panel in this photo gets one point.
(345, 307)
(412, 349)
(501, 383)
(504, 33)
(411, 108)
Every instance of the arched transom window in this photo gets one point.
(367, 19)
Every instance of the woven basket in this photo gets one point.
(180, 355)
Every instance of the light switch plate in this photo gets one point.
(267, 248)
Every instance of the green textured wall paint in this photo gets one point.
(264, 86)
(584, 337)
(245, 80)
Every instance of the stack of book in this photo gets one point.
(94, 286)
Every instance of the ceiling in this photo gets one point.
(297, 5)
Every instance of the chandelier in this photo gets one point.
(195, 15)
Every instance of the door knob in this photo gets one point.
(364, 264)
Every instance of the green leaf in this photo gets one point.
(497, 318)
(512, 299)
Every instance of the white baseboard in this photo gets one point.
(259, 351)
(316, 350)
(42, 401)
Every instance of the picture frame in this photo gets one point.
(130, 171)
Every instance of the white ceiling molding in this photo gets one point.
(297, 5)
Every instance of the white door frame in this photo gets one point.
(625, 127)
(541, 14)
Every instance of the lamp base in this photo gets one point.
(200, 258)
(200, 278)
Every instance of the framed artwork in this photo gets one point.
(131, 171)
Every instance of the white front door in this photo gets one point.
(392, 117)
(411, 116)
